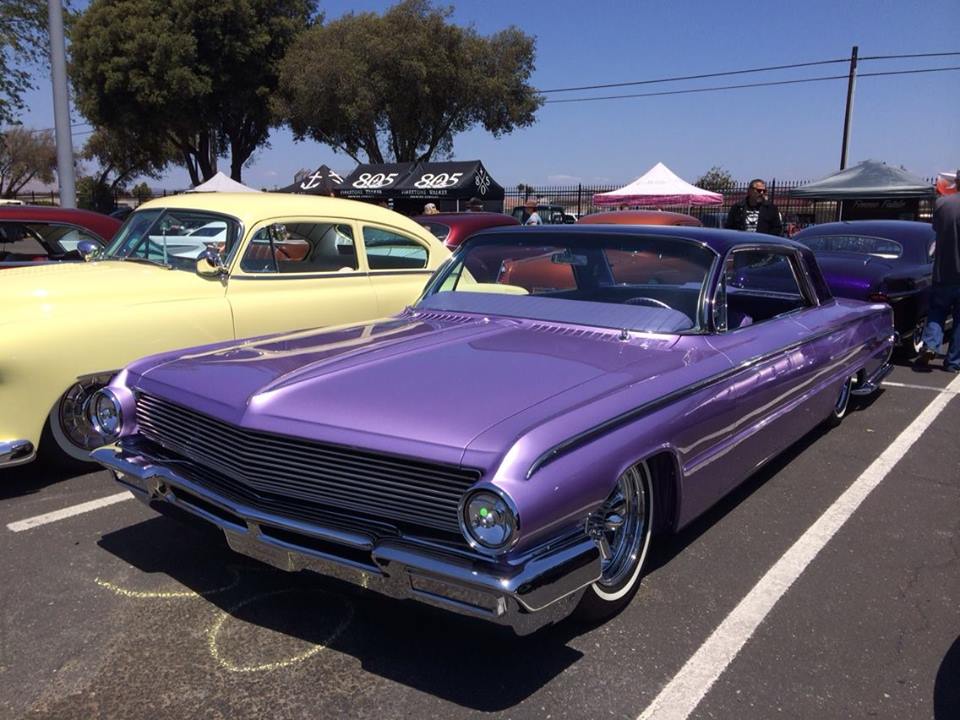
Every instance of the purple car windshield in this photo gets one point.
(642, 283)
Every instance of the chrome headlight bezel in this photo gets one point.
(497, 501)
(105, 413)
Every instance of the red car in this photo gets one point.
(452, 228)
(35, 233)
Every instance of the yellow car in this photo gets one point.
(189, 270)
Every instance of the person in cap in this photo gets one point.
(430, 209)
(945, 293)
(532, 217)
(475, 204)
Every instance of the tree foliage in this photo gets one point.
(24, 41)
(25, 155)
(716, 179)
(94, 194)
(400, 86)
(122, 158)
(197, 74)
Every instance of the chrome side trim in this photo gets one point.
(536, 591)
(330, 274)
(629, 416)
(16, 452)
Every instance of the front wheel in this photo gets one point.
(622, 527)
(69, 425)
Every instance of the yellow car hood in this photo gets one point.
(116, 283)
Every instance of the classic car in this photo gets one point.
(34, 233)
(279, 263)
(452, 228)
(502, 450)
(887, 261)
(639, 217)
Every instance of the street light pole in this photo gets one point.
(61, 106)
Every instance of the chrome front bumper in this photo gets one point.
(542, 589)
(16, 452)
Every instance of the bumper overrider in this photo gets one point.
(541, 589)
(15, 452)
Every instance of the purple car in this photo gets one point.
(507, 447)
(887, 261)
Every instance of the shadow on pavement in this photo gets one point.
(946, 689)
(469, 662)
(32, 477)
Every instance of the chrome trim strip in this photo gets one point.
(332, 274)
(624, 418)
(16, 452)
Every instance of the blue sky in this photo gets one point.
(788, 132)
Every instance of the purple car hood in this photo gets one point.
(412, 385)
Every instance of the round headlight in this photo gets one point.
(104, 413)
(488, 520)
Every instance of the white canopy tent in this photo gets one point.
(221, 183)
(658, 186)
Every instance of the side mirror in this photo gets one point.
(88, 250)
(209, 264)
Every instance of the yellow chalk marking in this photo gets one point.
(214, 632)
(170, 594)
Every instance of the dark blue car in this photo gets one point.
(879, 260)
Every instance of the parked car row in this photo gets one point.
(501, 432)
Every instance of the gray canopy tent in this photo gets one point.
(870, 190)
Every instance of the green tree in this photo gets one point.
(94, 194)
(716, 179)
(25, 155)
(197, 74)
(400, 86)
(142, 192)
(24, 42)
(121, 158)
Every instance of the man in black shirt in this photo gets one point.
(945, 294)
(755, 213)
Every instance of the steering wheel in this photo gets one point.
(643, 300)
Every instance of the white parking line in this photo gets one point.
(21, 525)
(687, 688)
(911, 386)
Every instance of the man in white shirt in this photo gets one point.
(533, 218)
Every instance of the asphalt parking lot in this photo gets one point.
(117, 612)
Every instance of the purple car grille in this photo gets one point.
(402, 490)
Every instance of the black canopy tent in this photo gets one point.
(448, 185)
(322, 181)
(870, 190)
(374, 181)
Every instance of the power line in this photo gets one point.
(772, 83)
(728, 73)
(696, 77)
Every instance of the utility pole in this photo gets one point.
(61, 106)
(851, 84)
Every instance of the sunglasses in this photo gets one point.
(759, 190)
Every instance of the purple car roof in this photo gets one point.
(718, 240)
(893, 229)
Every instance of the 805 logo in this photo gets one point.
(431, 181)
(374, 180)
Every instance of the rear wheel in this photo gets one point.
(622, 527)
(842, 403)
(69, 424)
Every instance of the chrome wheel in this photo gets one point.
(843, 401)
(69, 422)
(623, 528)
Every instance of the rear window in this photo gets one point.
(860, 244)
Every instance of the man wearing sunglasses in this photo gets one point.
(755, 213)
